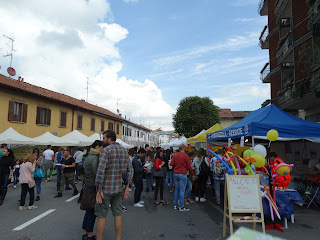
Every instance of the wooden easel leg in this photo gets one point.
(254, 224)
(263, 227)
(225, 210)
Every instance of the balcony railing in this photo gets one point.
(314, 12)
(263, 7)
(287, 96)
(280, 5)
(265, 72)
(315, 80)
(264, 38)
(284, 46)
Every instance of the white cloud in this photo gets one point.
(231, 44)
(57, 49)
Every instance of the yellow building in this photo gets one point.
(32, 111)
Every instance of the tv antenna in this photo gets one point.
(87, 88)
(11, 48)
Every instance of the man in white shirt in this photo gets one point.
(48, 162)
(78, 158)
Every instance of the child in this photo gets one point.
(16, 173)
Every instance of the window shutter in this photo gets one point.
(63, 119)
(79, 122)
(11, 111)
(38, 115)
(93, 124)
(48, 117)
(24, 112)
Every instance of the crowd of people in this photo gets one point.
(109, 172)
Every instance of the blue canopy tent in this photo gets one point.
(259, 122)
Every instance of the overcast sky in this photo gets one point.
(149, 54)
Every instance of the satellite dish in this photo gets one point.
(11, 71)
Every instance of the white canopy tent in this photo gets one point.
(11, 136)
(175, 143)
(76, 138)
(48, 139)
(123, 144)
(96, 136)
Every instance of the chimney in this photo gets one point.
(125, 116)
(19, 79)
(120, 114)
(22, 79)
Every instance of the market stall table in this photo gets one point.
(285, 200)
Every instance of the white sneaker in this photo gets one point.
(141, 202)
(184, 209)
(203, 199)
(138, 205)
(32, 207)
(197, 199)
(14, 186)
(21, 208)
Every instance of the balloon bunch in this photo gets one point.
(266, 194)
(250, 157)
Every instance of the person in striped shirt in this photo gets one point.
(114, 169)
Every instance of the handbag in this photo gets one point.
(157, 173)
(194, 178)
(88, 199)
(38, 173)
(32, 183)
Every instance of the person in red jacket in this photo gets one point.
(181, 164)
(159, 177)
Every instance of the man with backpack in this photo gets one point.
(219, 171)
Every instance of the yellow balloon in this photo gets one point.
(260, 160)
(272, 135)
(283, 170)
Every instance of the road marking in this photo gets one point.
(33, 220)
(74, 197)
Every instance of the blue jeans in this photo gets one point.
(180, 181)
(149, 180)
(5, 180)
(89, 220)
(188, 189)
(38, 185)
(169, 178)
(15, 178)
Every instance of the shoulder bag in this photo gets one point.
(88, 199)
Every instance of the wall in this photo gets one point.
(31, 129)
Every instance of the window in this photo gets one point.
(102, 126)
(63, 119)
(43, 116)
(123, 131)
(110, 126)
(137, 133)
(93, 124)
(17, 112)
(118, 129)
(79, 122)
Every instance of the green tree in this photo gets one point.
(195, 114)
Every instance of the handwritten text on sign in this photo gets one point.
(244, 193)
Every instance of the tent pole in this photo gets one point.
(253, 141)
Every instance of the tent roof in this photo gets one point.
(11, 136)
(123, 144)
(48, 139)
(202, 137)
(259, 122)
(76, 138)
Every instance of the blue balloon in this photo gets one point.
(230, 170)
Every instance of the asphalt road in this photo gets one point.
(63, 220)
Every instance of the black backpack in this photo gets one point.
(204, 168)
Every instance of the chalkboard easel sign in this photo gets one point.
(242, 196)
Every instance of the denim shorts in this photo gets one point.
(101, 210)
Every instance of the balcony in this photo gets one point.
(285, 45)
(263, 7)
(314, 12)
(315, 81)
(286, 96)
(280, 7)
(264, 38)
(265, 73)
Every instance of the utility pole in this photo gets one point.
(11, 48)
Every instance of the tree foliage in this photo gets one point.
(195, 114)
